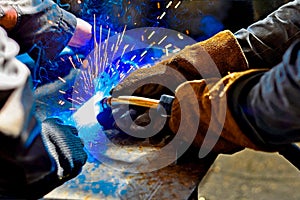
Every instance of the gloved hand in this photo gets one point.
(213, 57)
(64, 146)
(221, 107)
(30, 170)
(67, 153)
(212, 110)
(221, 52)
(132, 124)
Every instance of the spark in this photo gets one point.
(151, 34)
(95, 39)
(123, 34)
(62, 92)
(62, 80)
(162, 40)
(169, 4)
(61, 102)
(72, 63)
(73, 100)
(125, 47)
(85, 78)
(168, 46)
(99, 46)
(140, 60)
(180, 36)
(133, 46)
(143, 53)
(156, 187)
(177, 5)
(164, 13)
(112, 47)
(81, 99)
(158, 5)
(105, 50)
(118, 43)
(133, 57)
(79, 59)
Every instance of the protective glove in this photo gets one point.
(208, 101)
(219, 54)
(213, 57)
(224, 110)
(208, 105)
(66, 149)
(133, 124)
(32, 163)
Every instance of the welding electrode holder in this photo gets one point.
(106, 120)
(164, 103)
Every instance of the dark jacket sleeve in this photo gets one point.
(265, 41)
(35, 157)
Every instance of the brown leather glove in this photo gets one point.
(216, 123)
(214, 57)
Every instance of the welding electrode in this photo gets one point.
(165, 102)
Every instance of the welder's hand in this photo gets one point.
(221, 52)
(82, 34)
(210, 58)
(134, 122)
(65, 147)
(211, 109)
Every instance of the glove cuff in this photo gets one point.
(237, 97)
(226, 52)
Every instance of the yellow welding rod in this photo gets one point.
(133, 100)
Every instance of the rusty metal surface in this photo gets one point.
(251, 175)
(100, 182)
